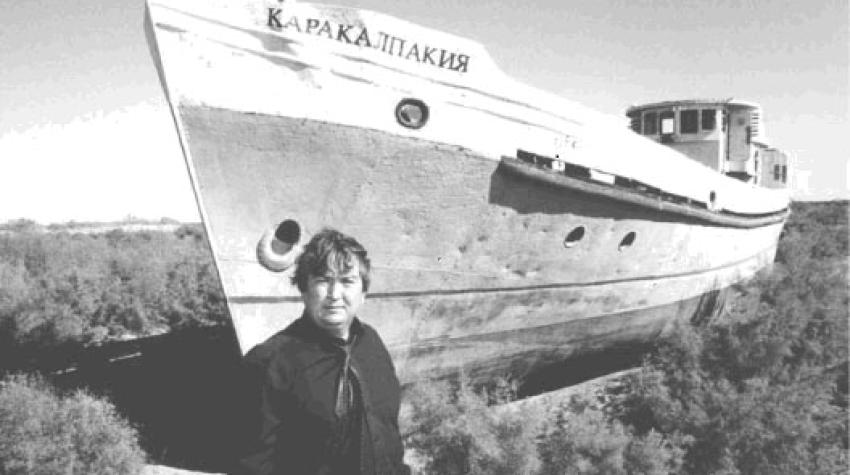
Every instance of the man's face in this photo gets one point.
(332, 300)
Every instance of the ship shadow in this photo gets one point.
(585, 367)
(181, 391)
(526, 196)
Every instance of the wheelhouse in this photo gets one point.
(724, 134)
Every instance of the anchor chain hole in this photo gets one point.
(288, 231)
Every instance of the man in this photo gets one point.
(324, 396)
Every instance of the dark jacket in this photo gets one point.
(291, 382)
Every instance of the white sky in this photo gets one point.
(100, 166)
(85, 133)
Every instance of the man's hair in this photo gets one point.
(331, 250)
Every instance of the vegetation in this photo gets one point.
(761, 390)
(65, 287)
(764, 390)
(580, 437)
(60, 289)
(44, 433)
(456, 432)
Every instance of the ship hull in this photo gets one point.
(476, 267)
(470, 265)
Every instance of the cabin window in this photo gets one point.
(689, 121)
(668, 122)
(708, 119)
(636, 123)
(650, 123)
(777, 172)
(784, 173)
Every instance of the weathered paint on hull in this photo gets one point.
(471, 266)
(477, 280)
(524, 351)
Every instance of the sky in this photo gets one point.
(85, 133)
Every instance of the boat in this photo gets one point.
(509, 229)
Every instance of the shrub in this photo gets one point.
(764, 388)
(43, 433)
(62, 290)
(454, 431)
(581, 439)
(754, 425)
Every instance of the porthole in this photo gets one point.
(574, 237)
(627, 240)
(411, 113)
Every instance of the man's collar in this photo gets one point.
(307, 328)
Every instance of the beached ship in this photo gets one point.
(509, 228)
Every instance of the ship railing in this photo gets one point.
(578, 178)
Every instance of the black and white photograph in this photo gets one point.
(349, 237)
